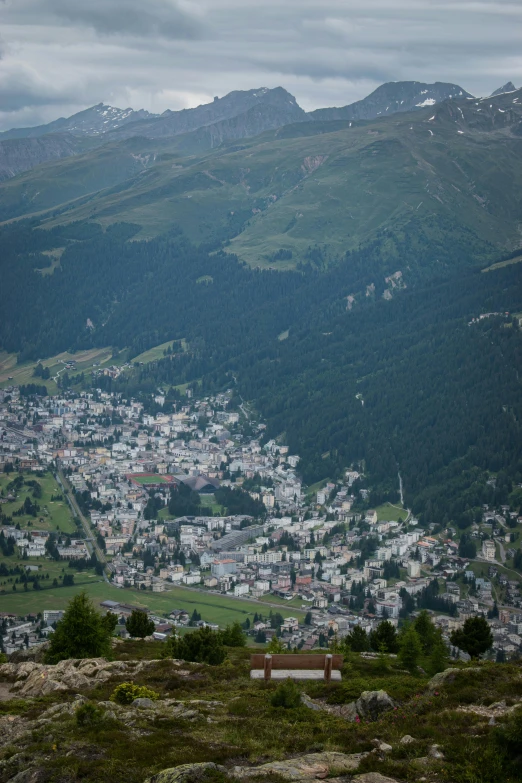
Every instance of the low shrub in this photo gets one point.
(126, 692)
(286, 695)
(88, 715)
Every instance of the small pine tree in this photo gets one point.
(475, 637)
(410, 648)
(81, 633)
(139, 625)
(275, 646)
(385, 634)
(426, 631)
(233, 636)
(438, 655)
(357, 640)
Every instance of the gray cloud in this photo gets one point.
(158, 54)
(141, 18)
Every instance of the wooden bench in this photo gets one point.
(296, 667)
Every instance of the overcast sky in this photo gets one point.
(60, 56)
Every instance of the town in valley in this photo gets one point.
(191, 497)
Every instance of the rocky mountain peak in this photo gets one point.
(508, 87)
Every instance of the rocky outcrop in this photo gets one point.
(185, 773)
(372, 777)
(19, 155)
(36, 679)
(371, 704)
(311, 766)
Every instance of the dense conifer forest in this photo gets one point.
(403, 384)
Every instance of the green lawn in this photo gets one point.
(275, 599)
(53, 515)
(153, 354)
(390, 513)
(55, 569)
(23, 373)
(156, 479)
(213, 608)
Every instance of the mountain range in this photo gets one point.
(237, 115)
(318, 187)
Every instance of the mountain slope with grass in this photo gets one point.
(305, 191)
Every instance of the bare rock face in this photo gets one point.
(73, 675)
(185, 773)
(371, 704)
(308, 767)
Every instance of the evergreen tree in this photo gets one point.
(233, 636)
(426, 630)
(357, 640)
(385, 636)
(139, 625)
(475, 637)
(438, 654)
(410, 648)
(81, 633)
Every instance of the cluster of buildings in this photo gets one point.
(325, 552)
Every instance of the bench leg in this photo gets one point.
(268, 668)
(328, 660)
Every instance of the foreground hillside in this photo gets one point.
(463, 726)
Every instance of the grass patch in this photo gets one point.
(390, 513)
(54, 514)
(213, 607)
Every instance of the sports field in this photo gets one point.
(149, 478)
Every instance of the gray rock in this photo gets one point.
(372, 777)
(436, 753)
(307, 767)
(185, 773)
(28, 776)
(381, 746)
(144, 704)
(448, 675)
(306, 701)
(371, 704)
(407, 740)
(346, 711)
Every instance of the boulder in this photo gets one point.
(448, 675)
(185, 773)
(406, 740)
(307, 767)
(146, 704)
(372, 777)
(346, 711)
(371, 704)
(381, 746)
